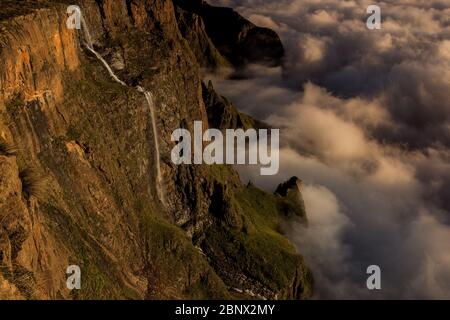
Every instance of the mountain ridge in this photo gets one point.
(89, 140)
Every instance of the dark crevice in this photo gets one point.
(130, 10)
(103, 16)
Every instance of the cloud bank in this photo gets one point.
(365, 119)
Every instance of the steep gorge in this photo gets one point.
(77, 159)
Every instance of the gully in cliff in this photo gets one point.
(234, 144)
(77, 21)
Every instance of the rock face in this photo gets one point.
(77, 164)
(193, 30)
(222, 114)
(236, 38)
(291, 191)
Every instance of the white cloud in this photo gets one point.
(365, 118)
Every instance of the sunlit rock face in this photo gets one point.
(77, 158)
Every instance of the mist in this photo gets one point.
(365, 123)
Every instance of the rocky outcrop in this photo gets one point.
(236, 38)
(193, 30)
(222, 114)
(250, 256)
(77, 178)
(291, 192)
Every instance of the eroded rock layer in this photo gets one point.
(77, 164)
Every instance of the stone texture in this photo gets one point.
(90, 139)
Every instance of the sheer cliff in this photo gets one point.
(78, 166)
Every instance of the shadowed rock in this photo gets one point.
(236, 38)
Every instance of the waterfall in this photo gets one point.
(148, 95)
(90, 47)
(149, 98)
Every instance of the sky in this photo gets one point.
(365, 123)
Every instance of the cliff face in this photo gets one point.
(77, 159)
(236, 38)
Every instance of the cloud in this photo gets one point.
(365, 122)
(407, 62)
(318, 240)
(358, 218)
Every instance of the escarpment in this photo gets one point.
(77, 164)
(236, 38)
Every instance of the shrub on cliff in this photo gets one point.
(33, 183)
(7, 148)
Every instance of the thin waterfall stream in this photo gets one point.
(148, 97)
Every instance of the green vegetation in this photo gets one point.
(171, 256)
(293, 205)
(258, 250)
(264, 242)
(101, 284)
(100, 280)
(223, 174)
(101, 211)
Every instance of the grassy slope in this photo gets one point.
(256, 248)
